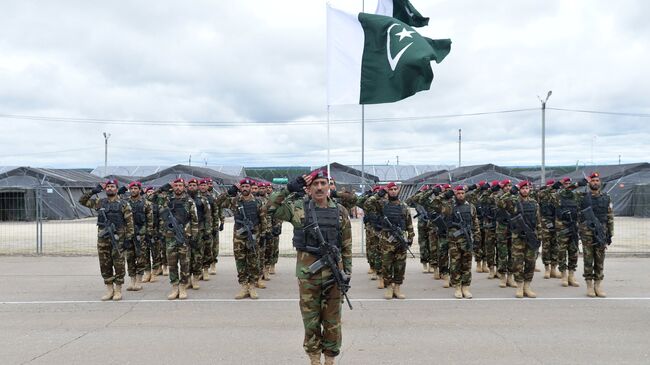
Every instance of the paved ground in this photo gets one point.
(49, 314)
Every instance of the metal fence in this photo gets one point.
(24, 231)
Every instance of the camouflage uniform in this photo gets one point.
(460, 251)
(197, 248)
(372, 226)
(137, 258)
(434, 204)
(566, 228)
(473, 197)
(488, 204)
(320, 309)
(155, 245)
(111, 260)
(503, 238)
(211, 232)
(550, 246)
(178, 258)
(423, 230)
(594, 253)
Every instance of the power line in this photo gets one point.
(50, 152)
(641, 115)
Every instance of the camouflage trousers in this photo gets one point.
(196, 254)
(163, 251)
(276, 250)
(246, 261)
(593, 256)
(433, 247)
(215, 249)
(393, 262)
(152, 255)
(320, 308)
(373, 250)
(460, 263)
(523, 259)
(550, 243)
(567, 255)
(504, 249)
(178, 258)
(208, 250)
(267, 257)
(490, 247)
(111, 262)
(135, 263)
(443, 255)
(479, 247)
(423, 242)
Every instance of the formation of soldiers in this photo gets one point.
(174, 231)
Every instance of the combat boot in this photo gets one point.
(466, 293)
(485, 267)
(147, 277)
(272, 269)
(502, 280)
(206, 274)
(131, 286)
(266, 275)
(537, 269)
(195, 282)
(373, 276)
(520, 290)
(528, 291)
(260, 284)
(425, 268)
(213, 269)
(243, 292)
(370, 271)
(458, 294)
(388, 294)
(598, 290)
(445, 283)
(182, 291)
(165, 270)
(591, 293)
(314, 358)
(547, 271)
(174, 293)
(436, 273)
(138, 283)
(572, 279)
(479, 266)
(109, 292)
(329, 360)
(153, 276)
(493, 273)
(397, 293)
(251, 291)
(554, 273)
(511, 281)
(117, 292)
(565, 279)
(380, 282)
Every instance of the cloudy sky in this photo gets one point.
(243, 83)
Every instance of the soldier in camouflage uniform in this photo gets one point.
(240, 200)
(155, 245)
(504, 238)
(463, 229)
(423, 231)
(393, 263)
(546, 200)
(320, 307)
(211, 232)
(433, 203)
(214, 258)
(118, 213)
(276, 231)
(472, 196)
(181, 207)
(432, 229)
(373, 226)
(594, 251)
(137, 250)
(197, 248)
(374, 269)
(267, 240)
(518, 202)
(566, 202)
(489, 208)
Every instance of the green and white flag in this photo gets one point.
(375, 59)
(402, 10)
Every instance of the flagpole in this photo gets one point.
(363, 162)
(328, 142)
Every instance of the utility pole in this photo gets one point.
(548, 95)
(106, 137)
(190, 161)
(459, 144)
(397, 163)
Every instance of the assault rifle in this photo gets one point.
(173, 225)
(572, 226)
(397, 233)
(247, 226)
(594, 225)
(422, 213)
(463, 228)
(329, 257)
(520, 226)
(108, 229)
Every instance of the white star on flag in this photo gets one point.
(404, 33)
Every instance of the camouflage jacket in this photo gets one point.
(375, 207)
(125, 232)
(207, 226)
(226, 201)
(191, 228)
(509, 202)
(148, 228)
(448, 210)
(610, 213)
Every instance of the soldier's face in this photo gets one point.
(594, 183)
(524, 191)
(245, 189)
(459, 194)
(179, 188)
(135, 191)
(269, 189)
(149, 192)
(255, 189)
(393, 191)
(319, 189)
(332, 185)
(110, 189)
(566, 183)
(203, 188)
(192, 187)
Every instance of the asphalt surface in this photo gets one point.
(50, 313)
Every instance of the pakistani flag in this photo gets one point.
(402, 10)
(375, 59)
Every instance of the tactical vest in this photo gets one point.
(568, 210)
(113, 212)
(502, 216)
(529, 212)
(600, 205)
(546, 208)
(328, 220)
(156, 214)
(465, 211)
(250, 209)
(200, 208)
(395, 214)
(139, 217)
(179, 210)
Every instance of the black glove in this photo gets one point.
(448, 194)
(485, 187)
(514, 190)
(122, 190)
(276, 231)
(495, 188)
(557, 185)
(368, 193)
(233, 190)
(437, 190)
(381, 193)
(296, 185)
(97, 189)
(472, 187)
(609, 239)
(166, 187)
(333, 194)
(221, 226)
(582, 182)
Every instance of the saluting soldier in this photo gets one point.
(138, 251)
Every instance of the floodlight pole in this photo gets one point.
(106, 137)
(544, 134)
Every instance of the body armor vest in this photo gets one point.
(139, 217)
(113, 212)
(200, 208)
(502, 216)
(568, 210)
(546, 208)
(250, 209)
(179, 211)
(529, 212)
(465, 211)
(395, 214)
(600, 205)
(305, 239)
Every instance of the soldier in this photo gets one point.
(276, 231)
(472, 195)
(547, 206)
(525, 244)
(155, 245)
(504, 238)
(489, 208)
(217, 212)
(267, 240)
(423, 230)
(463, 227)
(320, 305)
(392, 213)
(137, 250)
(197, 247)
(565, 202)
(250, 226)
(210, 232)
(114, 216)
(596, 231)
(374, 263)
(433, 229)
(179, 224)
